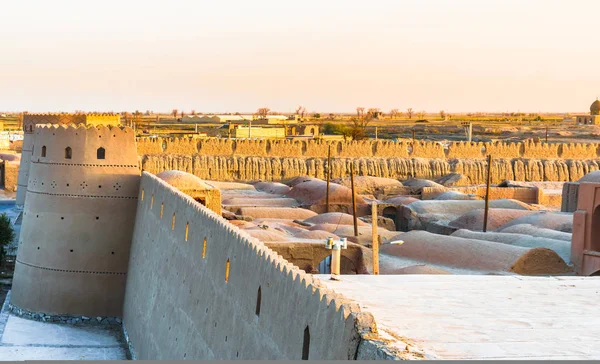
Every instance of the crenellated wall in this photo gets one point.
(29, 123)
(238, 168)
(77, 221)
(358, 149)
(199, 288)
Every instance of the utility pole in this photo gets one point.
(353, 198)
(328, 172)
(375, 238)
(487, 194)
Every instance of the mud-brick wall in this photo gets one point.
(199, 288)
(367, 148)
(11, 175)
(237, 168)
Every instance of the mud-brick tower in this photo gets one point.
(29, 123)
(77, 221)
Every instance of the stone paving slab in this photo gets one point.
(483, 317)
(23, 339)
(13, 353)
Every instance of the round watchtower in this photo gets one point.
(77, 221)
(29, 123)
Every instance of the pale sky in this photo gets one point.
(328, 55)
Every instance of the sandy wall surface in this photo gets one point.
(239, 168)
(369, 148)
(199, 288)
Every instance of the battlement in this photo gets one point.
(236, 279)
(84, 144)
(368, 148)
(30, 120)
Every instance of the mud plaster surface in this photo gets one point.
(483, 317)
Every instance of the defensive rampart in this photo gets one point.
(29, 123)
(237, 168)
(365, 149)
(199, 288)
(77, 221)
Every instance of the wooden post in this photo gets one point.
(546, 134)
(328, 178)
(413, 133)
(487, 194)
(375, 244)
(353, 198)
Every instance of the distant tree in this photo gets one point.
(409, 112)
(442, 114)
(421, 115)
(300, 111)
(331, 116)
(7, 234)
(20, 118)
(263, 112)
(336, 129)
(127, 117)
(174, 112)
(373, 113)
(193, 112)
(358, 131)
(393, 113)
(317, 116)
(182, 114)
(360, 111)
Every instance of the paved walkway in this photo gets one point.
(483, 317)
(22, 339)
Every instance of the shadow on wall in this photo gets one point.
(222, 294)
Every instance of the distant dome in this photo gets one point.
(184, 181)
(595, 108)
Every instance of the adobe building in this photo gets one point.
(201, 191)
(585, 247)
(29, 123)
(593, 118)
(77, 220)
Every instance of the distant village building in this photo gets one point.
(593, 118)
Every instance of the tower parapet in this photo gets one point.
(77, 221)
(29, 123)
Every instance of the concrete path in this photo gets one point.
(483, 317)
(23, 339)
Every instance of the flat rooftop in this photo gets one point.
(482, 317)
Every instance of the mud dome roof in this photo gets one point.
(184, 181)
(595, 108)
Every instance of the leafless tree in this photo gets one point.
(373, 113)
(358, 130)
(393, 113)
(442, 114)
(182, 114)
(421, 115)
(174, 112)
(263, 112)
(360, 111)
(301, 110)
(193, 112)
(409, 112)
(20, 118)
